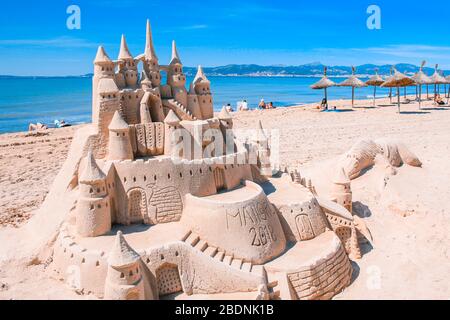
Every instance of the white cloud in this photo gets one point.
(59, 42)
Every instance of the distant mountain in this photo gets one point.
(313, 69)
(306, 70)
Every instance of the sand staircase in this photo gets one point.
(179, 109)
(194, 240)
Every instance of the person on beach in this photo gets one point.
(270, 106)
(243, 105)
(229, 108)
(438, 100)
(37, 127)
(324, 104)
(262, 104)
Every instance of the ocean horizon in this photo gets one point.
(25, 100)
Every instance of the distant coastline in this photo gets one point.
(253, 70)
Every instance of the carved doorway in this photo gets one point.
(304, 227)
(137, 205)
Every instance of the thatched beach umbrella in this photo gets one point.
(353, 82)
(420, 78)
(398, 80)
(324, 83)
(375, 81)
(437, 79)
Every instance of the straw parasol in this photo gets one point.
(353, 82)
(421, 78)
(397, 80)
(324, 83)
(437, 79)
(375, 81)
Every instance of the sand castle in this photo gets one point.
(157, 199)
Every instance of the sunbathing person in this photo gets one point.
(438, 100)
(262, 104)
(37, 127)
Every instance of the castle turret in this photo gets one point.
(124, 276)
(341, 191)
(202, 88)
(93, 211)
(103, 68)
(128, 64)
(108, 102)
(261, 143)
(193, 103)
(151, 65)
(145, 113)
(119, 147)
(171, 124)
(176, 79)
(226, 126)
(146, 84)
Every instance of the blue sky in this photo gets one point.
(34, 39)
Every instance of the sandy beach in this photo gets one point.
(408, 217)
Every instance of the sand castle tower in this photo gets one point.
(261, 142)
(202, 88)
(176, 79)
(124, 276)
(93, 212)
(341, 191)
(119, 147)
(193, 104)
(171, 139)
(103, 68)
(127, 65)
(151, 66)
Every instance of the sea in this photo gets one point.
(27, 100)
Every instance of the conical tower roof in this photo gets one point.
(107, 85)
(101, 56)
(191, 88)
(172, 119)
(124, 53)
(144, 78)
(175, 57)
(341, 177)
(200, 76)
(91, 172)
(121, 254)
(224, 114)
(117, 123)
(149, 48)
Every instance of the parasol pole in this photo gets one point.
(428, 97)
(398, 99)
(420, 97)
(326, 98)
(448, 95)
(353, 96)
(374, 94)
